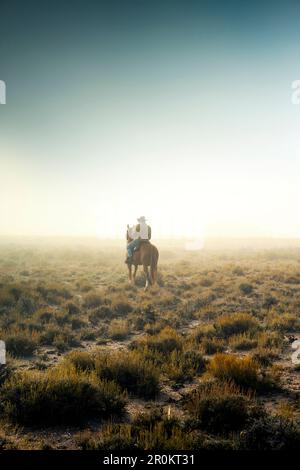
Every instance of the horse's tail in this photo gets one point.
(153, 265)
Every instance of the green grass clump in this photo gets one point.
(244, 372)
(183, 365)
(122, 308)
(271, 340)
(61, 338)
(54, 293)
(264, 357)
(58, 396)
(286, 323)
(271, 433)
(219, 408)
(97, 315)
(20, 345)
(166, 341)
(212, 345)
(242, 342)
(81, 360)
(144, 433)
(7, 300)
(44, 316)
(131, 371)
(93, 300)
(119, 329)
(234, 324)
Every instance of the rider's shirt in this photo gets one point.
(144, 231)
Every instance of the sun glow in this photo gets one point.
(193, 201)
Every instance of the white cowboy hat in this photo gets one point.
(141, 219)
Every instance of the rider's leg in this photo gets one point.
(130, 248)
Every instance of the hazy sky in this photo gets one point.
(177, 110)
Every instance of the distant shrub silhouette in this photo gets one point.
(238, 271)
(45, 317)
(7, 300)
(61, 318)
(270, 301)
(26, 305)
(93, 300)
(246, 289)
(72, 308)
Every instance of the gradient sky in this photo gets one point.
(177, 110)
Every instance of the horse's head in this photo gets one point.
(129, 233)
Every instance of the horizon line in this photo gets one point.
(185, 238)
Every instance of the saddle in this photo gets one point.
(141, 243)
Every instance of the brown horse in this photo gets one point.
(146, 255)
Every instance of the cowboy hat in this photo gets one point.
(141, 219)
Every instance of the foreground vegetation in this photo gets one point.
(199, 362)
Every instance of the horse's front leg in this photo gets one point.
(146, 271)
(134, 273)
(130, 272)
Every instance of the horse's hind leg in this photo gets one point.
(148, 281)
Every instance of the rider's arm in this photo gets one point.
(137, 231)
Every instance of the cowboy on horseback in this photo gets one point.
(138, 234)
(140, 252)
